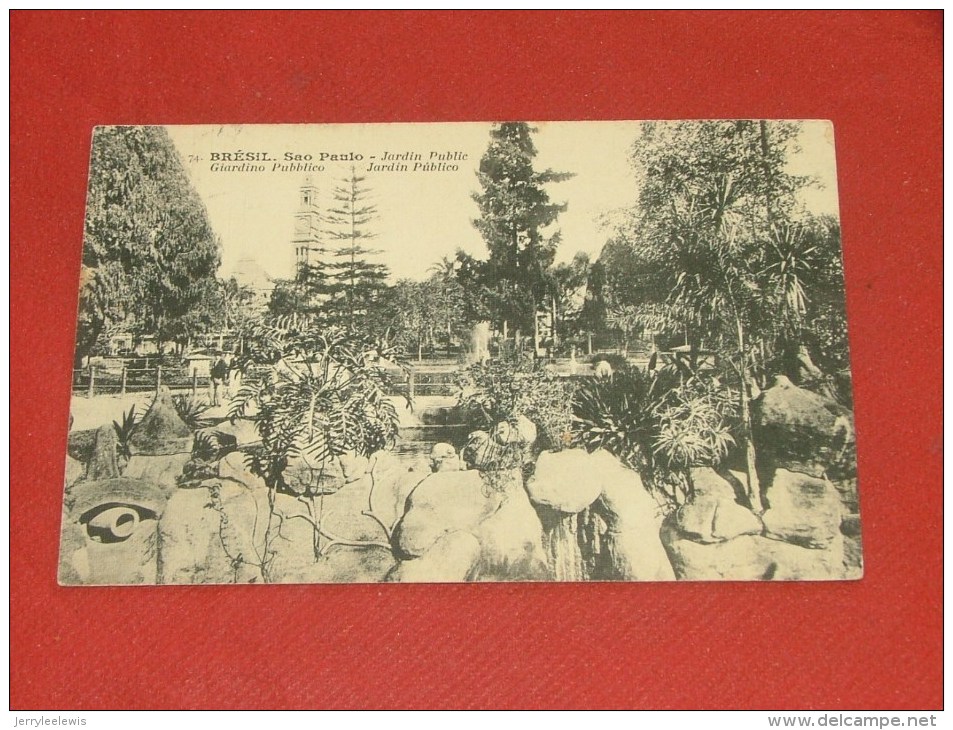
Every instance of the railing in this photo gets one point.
(416, 383)
(97, 380)
(100, 380)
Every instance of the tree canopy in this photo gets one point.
(149, 254)
(515, 211)
(718, 246)
(359, 283)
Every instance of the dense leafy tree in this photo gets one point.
(414, 315)
(717, 246)
(287, 298)
(149, 253)
(515, 211)
(568, 289)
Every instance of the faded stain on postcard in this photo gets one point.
(557, 351)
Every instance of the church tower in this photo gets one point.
(307, 228)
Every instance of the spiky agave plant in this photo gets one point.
(693, 428)
(660, 423)
(618, 414)
(124, 429)
(192, 411)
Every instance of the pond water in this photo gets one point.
(416, 442)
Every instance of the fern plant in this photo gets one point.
(322, 394)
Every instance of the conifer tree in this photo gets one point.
(514, 211)
(359, 283)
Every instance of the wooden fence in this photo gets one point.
(95, 380)
(99, 380)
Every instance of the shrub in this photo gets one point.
(617, 415)
(321, 395)
(191, 410)
(660, 423)
(501, 390)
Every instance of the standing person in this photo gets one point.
(218, 372)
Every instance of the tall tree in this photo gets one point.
(515, 210)
(359, 282)
(449, 301)
(719, 243)
(149, 252)
(414, 315)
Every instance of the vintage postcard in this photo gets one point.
(521, 351)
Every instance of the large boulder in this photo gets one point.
(104, 462)
(352, 514)
(713, 515)
(161, 431)
(802, 510)
(632, 518)
(567, 481)
(511, 538)
(109, 532)
(491, 507)
(233, 467)
(298, 555)
(393, 483)
(306, 476)
(213, 534)
(163, 471)
(750, 557)
(441, 503)
(453, 558)
(800, 431)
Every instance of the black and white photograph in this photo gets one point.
(455, 352)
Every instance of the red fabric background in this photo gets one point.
(869, 644)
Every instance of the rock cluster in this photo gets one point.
(150, 511)
(113, 506)
(800, 436)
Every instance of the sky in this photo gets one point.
(422, 215)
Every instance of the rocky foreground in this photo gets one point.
(149, 512)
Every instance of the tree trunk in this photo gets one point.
(744, 401)
(316, 509)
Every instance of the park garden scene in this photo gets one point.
(660, 393)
